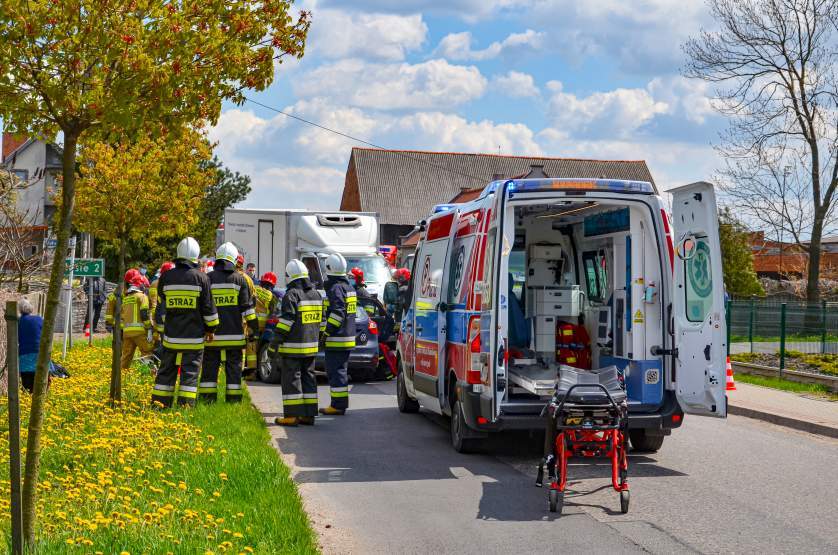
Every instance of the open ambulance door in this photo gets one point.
(430, 321)
(698, 302)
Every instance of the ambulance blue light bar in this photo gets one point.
(564, 184)
(443, 208)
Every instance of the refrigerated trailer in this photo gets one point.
(270, 238)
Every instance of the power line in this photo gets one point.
(362, 141)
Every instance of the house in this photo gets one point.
(404, 185)
(776, 260)
(37, 164)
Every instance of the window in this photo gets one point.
(518, 271)
(596, 275)
(488, 271)
(313, 270)
(699, 279)
(22, 175)
(375, 268)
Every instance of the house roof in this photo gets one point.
(403, 185)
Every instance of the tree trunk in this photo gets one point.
(39, 391)
(116, 344)
(813, 292)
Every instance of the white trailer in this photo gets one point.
(270, 238)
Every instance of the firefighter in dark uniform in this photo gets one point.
(188, 318)
(339, 332)
(235, 306)
(295, 341)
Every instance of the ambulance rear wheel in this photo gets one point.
(556, 500)
(406, 404)
(459, 431)
(643, 441)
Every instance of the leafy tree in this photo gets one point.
(96, 67)
(227, 189)
(737, 258)
(773, 66)
(151, 187)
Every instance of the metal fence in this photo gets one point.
(777, 327)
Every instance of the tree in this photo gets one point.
(227, 189)
(737, 258)
(95, 67)
(149, 188)
(772, 63)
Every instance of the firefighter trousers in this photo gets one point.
(188, 364)
(132, 343)
(213, 359)
(337, 370)
(299, 387)
(250, 355)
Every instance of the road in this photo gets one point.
(377, 481)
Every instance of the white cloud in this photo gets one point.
(313, 187)
(467, 10)
(619, 112)
(516, 85)
(337, 34)
(458, 46)
(686, 97)
(438, 131)
(237, 128)
(434, 84)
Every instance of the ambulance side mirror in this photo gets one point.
(686, 248)
(391, 292)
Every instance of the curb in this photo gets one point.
(801, 425)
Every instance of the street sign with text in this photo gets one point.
(86, 267)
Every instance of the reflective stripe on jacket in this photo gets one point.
(186, 308)
(298, 327)
(340, 306)
(134, 315)
(265, 306)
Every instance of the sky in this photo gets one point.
(559, 78)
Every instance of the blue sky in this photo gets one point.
(525, 77)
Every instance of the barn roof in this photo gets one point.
(403, 185)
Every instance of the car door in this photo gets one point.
(429, 324)
(698, 302)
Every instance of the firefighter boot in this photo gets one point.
(306, 420)
(287, 421)
(332, 411)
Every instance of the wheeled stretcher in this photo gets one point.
(586, 417)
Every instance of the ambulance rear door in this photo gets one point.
(700, 335)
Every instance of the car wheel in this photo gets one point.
(642, 441)
(406, 404)
(267, 371)
(459, 430)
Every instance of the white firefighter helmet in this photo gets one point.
(336, 265)
(228, 252)
(188, 249)
(295, 269)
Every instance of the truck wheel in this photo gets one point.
(458, 431)
(266, 371)
(643, 441)
(406, 404)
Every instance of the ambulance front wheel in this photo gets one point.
(406, 404)
(459, 431)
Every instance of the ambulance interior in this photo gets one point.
(583, 288)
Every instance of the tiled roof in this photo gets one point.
(403, 186)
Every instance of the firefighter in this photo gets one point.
(236, 309)
(135, 321)
(339, 332)
(250, 351)
(384, 322)
(156, 310)
(365, 298)
(152, 293)
(296, 344)
(189, 319)
(266, 304)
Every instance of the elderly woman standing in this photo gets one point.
(28, 340)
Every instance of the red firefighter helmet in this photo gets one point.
(269, 277)
(240, 261)
(166, 266)
(136, 280)
(131, 274)
(358, 275)
(403, 275)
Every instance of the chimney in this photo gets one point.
(536, 171)
(10, 144)
(497, 176)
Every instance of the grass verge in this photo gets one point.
(139, 480)
(787, 385)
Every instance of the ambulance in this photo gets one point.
(590, 273)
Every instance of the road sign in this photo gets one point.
(52, 243)
(86, 267)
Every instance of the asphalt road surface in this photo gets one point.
(377, 481)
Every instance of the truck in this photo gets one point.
(539, 274)
(271, 237)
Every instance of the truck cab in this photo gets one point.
(537, 274)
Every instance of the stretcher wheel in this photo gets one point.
(556, 500)
(625, 497)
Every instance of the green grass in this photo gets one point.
(808, 338)
(140, 480)
(786, 385)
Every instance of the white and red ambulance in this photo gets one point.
(539, 273)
